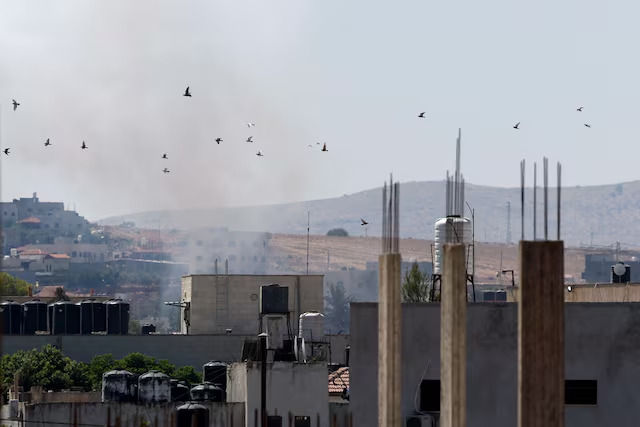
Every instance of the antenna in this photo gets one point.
(508, 222)
(535, 202)
(546, 191)
(559, 191)
(521, 199)
(308, 226)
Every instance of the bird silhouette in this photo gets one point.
(363, 222)
(84, 145)
(15, 104)
(587, 125)
(579, 109)
(165, 170)
(218, 140)
(249, 139)
(421, 115)
(324, 147)
(46, 144)
(517, 126)
(186, 92)
(6, 151)
(164, 156)
(259, 153)
(250, 124)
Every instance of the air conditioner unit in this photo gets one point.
(422, 420)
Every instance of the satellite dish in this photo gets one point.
(569, 288)
(619, 269)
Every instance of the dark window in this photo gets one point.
(74, 254)
(580, 392)
(430, 396)
(302, 421)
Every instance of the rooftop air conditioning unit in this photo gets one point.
(422, 420)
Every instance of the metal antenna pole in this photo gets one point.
(521, 199)
(308, 226)
(546, 191)
(559, 191)
(535, 201)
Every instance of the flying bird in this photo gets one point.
(516, 126)
(186, 92)
(6, 151)
(15, 104)
(164, 156)
(324, 147)
(363, 222)
(83, 145)
(46, 144)
(165, 170)
(421, 115)
(249, 139)
(249, 125)
(579, 109)
(218, 140)
(259, 153)
(587, 125)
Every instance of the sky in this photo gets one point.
(354, 75)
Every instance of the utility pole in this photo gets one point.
(308, 227)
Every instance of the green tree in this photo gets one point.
(60, 295)
(338, 232)
(416, 285)
(12, 286)
(187, 374)
(336, 308)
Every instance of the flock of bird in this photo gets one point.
(165, 156)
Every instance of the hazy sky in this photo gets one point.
(353, 74)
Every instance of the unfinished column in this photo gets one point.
(541, 335)
(453, 338)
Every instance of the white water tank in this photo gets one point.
(311, 326)
(452, 229)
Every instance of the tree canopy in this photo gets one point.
(336, 308)
(12, 286)
(416, 285)
(338, 232)
(52, 370)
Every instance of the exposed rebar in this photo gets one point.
(390, 218)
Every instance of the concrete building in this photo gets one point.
(602, 351)
(215, 303)
(294, 390)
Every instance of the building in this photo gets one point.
(597, 267)
(214, 304)
(602, 368)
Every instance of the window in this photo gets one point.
(580, 392)
(430, 396)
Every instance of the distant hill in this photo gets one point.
(594, 215)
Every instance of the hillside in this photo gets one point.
(594, 215)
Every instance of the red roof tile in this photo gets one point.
(33, 252)
(60, 256)
(30, 220)
(338, 380)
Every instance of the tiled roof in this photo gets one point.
(33, 252)
(338, 380)
(60, 256)
(30, 220)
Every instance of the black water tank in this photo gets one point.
(65, 318)
(117, 317)
(216, 373)
(11, 317)
(119, 386)
(207, 392)
(147, 329)
(179, 391)
(274, 299)
(34, 317)
(192, 415)
(93, 317)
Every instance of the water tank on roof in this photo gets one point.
(274, 299)
(34, 317)
(311, 326)
(207, 392)
(65, 318)
(452, 229)
(117, 317)
(192, 415)
(93, 317)
(154, 387)
(147, 329)
(11, 317)
(119, 386)
(216, 373)
(179, 391)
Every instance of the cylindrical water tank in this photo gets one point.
(452, 229)
(34, 317)
(65, 318)
(192, 415)
(311, 326)
(11, 317)
(119, 386)
(215, 372)
(93, 317)
(147, 329)
(207, 392)
(154, 387)
(117, 317)
(179, 391)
